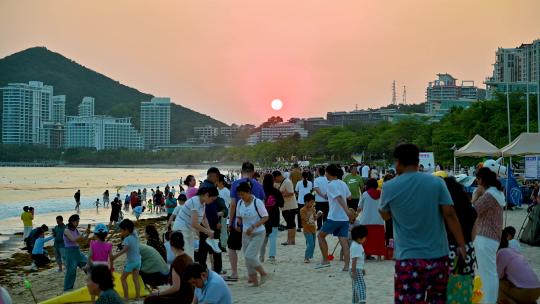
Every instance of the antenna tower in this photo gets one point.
(394, 99)
(404, 95)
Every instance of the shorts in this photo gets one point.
(289, 216)
(234, 242)
(131, 266)
(421, 279)
(336, 228)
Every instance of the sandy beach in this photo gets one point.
(291, 281)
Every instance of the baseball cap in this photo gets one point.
(101, 228)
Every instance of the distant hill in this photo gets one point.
(76, 81)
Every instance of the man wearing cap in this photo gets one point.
(214, 212)
(234, 243)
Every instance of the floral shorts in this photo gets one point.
(421, 280)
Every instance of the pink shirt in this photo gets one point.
(191, 192)
(100, 251)
(514, 267)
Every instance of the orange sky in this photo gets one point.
(230, 58)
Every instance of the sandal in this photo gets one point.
(230, 279)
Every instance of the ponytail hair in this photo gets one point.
(305, 176)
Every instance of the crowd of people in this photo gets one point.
(429, 225)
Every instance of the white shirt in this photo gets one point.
(370, 210)
(321, 183)
(357, 251)
(365, 171)
(249, 214)
(337, 188)
(301, 190)
(225, 194)
(184, 212)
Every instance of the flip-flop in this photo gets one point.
(230, 279)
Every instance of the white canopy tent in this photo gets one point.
(478, 147)
(524, 144)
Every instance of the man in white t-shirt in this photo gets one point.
(338, 217)
(320, 184)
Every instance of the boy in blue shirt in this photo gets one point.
(58, 233)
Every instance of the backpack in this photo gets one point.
(267, 228)
(274, 200)
(254, 204)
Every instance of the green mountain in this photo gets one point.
(76, 81)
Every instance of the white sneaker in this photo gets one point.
(214, 245)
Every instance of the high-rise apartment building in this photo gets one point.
(101, 132)
(86, 108)
(26, 107)
(519, 68)
(58, 112)
(156, 122)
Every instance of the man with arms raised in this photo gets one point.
(418, 205)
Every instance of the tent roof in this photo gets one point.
(524, 144)
(478, 147)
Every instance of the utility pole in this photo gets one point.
(404, 95)
(394, 97)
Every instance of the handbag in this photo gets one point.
(459, 288)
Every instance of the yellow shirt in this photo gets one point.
(27, 218)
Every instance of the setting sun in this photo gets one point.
(277, 104)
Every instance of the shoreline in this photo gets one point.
(224, 166)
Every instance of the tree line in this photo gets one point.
(377, 141)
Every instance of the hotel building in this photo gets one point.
(26, 107)
(444, 93)
(282, 130)
(86, 108)
(156, 122)
(101, 133)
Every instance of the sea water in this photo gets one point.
(50, 190)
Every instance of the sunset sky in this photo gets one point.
(231, 58)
